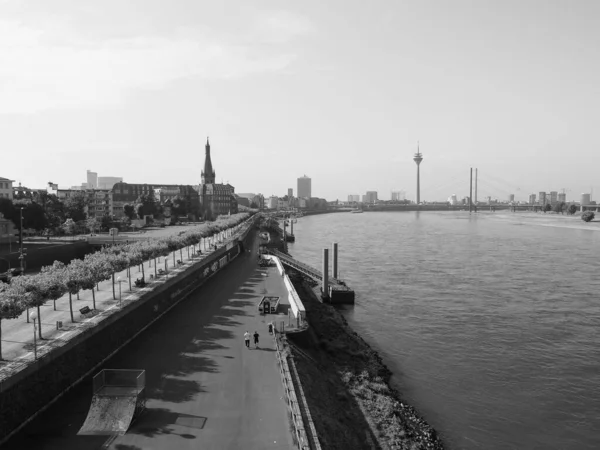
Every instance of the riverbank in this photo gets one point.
(350, 398)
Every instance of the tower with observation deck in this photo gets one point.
(418, 158)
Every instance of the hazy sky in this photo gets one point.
(338, 90)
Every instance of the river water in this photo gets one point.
(490, 322)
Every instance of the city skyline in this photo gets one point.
(492, 86)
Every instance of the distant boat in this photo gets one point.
(356, 211)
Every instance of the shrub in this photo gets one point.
(588, 216)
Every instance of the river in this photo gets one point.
(490, 321)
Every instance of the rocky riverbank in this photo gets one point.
(346, 385)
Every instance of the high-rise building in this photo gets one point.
(304, 187)
(354, 198)
(107, 182)
(418, 158)
(511, 198)
(92, 180)
(562, 197)
(532, 199)
(215, 198)
(453, 200)
(370, 197)
(542, 198)
(290, 192)
(553, 197)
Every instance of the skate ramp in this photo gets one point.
(109, 415)
(119, 397)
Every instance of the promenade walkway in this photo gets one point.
(17, 334)
(205, 389)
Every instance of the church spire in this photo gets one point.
(208, 174)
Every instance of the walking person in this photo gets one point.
(271, 328)
(256, 339)
(247, 339)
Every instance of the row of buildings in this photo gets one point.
(109, 195)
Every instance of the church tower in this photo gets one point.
(208, 174)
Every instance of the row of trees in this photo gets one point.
(46, 211)
(54, 281)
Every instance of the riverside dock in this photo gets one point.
(333, 290)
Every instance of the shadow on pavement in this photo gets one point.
(156, 421)
(186, 341)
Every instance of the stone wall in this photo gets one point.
(45, 255)
(36, 386)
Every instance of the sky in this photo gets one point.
(340, 91)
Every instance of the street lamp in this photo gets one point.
(120, 302)
(22, 255)
(33, 316)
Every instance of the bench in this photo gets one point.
(85, 311)
(160, 272)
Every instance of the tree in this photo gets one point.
(129, 211)
(8, 210)
(33, 293)
(148, 205)
(559, 207)
(75, 205)
(55, 282)
(572, 209)
(70, 227)
(92, 224)
(588, 216)
(106, 222)
(179, 207)
(11, 306)
(125, 222)
(547, 207)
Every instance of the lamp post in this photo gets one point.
(33, 316)
(22, 255)
(120, 302)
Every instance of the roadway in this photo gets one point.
(204, 388)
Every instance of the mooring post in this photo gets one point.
(334, 266)
(325, 286)
(470, 190)
(291, 226)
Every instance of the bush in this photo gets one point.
(588, 216)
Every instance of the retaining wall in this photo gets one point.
(41, 383)
(45, 254)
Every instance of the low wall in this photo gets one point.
(45, 254)
(295, 303)
(38, 385)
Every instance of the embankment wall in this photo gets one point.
(38, 385)
(45, 255)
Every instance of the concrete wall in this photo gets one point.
(34, 387)
(45, 255)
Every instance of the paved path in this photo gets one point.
(205, 389)
(17, 334)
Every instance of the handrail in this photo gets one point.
(305, 268)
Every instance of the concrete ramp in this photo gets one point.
(109, 415)
(119, 397)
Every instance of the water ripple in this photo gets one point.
(491, 329)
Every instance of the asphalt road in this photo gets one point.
(205, 389)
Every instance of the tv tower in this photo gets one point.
(418, 158)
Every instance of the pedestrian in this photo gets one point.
(256, 339)
(247, 339)
(271, 328)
